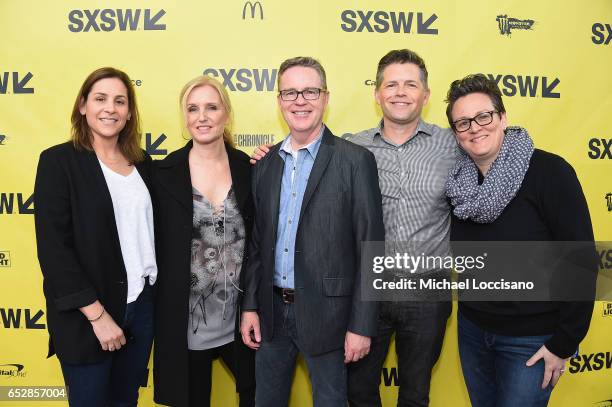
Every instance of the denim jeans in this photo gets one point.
(275, 363)
(419, 333)
(116, 380)
(494, 367)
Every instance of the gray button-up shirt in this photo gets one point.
(412, 178)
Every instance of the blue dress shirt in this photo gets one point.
(298, 165)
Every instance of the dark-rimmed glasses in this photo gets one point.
(289, 95)
(482, 119)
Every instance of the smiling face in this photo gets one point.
(106, 108)
(481, 143)
(402, 94)
(205, 115)
(304, 117)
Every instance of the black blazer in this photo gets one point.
(78, 248)
(174, 225)
(341, 208)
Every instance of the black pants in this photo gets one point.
(419, 333)
(200, 375)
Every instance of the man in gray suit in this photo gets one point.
(316, 199)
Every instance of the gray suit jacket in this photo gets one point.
(341, 208)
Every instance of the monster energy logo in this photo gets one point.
(506, 24)
(609, 201)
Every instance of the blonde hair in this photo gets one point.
(223, 95)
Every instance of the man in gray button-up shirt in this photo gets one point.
(413, 159)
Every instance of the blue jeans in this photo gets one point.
(494, 367)
(275, 363)
(419, 329)
(116, 380)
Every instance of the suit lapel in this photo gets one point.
(175, 178)
(240, 172)
(324, 155)
(270, 186)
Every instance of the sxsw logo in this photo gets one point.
(590, 362)
(507, 24)
(604, 403)
(152, 145)
(398, 22)
(390, 377)
(112, 19)
(609, 201)
(252, 7)
(599, 37)
(600, 148)
(5, 259)
(605, 259)
(607, 309)
(12, 370)
(527, 85)
(2, 139)
(18, 82)
(23, 207)
(245, 79)
(21, 318)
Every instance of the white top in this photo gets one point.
(134, 217)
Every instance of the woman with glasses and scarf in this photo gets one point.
(503, 189)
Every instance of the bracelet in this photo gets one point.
(99, 316)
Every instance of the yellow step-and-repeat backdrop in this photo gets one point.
(551, 59)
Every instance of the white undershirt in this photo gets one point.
(134, 218)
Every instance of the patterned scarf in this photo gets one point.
(485, 202)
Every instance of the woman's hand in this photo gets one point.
(554, 366)
(109, 334)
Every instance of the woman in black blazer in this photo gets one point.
(204, 217)
(94, 233)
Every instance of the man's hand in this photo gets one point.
(260, 152)
(554, 366)
(249, 329)
(355, 347)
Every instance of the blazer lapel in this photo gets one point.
(324, 155)
(270, 186)
(241, 176)
(174, 176)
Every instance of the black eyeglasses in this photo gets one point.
(482, 119)
(308, 94)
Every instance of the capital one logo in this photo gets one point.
(112, 19)
(507, 24)
(18, 82)
(398, 22)
(245, 79)
(252, 7)
(12, 370)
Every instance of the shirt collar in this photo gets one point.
(312, 147)
(422, 128)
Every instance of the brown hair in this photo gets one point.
(477, 83)
(205, 80)
(401, 56)
(307, 62)
(129, 136)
